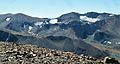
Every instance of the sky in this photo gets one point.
(55, 8)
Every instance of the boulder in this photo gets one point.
(108, 60)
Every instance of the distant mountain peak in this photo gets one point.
(20, 14)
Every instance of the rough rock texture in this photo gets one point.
(11, 53)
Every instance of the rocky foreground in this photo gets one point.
(11, 53)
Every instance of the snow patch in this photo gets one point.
(46, 22)
(30, 28)
(108, 42)
(40, 26)
(24, 26)
(8, 19)
(38, 23)
(53, 21)
(111, 15)
(85, 18)
(98, 30)
(118, 43)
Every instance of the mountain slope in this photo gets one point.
(55, 42)
(69, 32)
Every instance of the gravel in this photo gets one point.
(11, 53)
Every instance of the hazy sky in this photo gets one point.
(54, 8)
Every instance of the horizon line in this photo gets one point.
(58, 16)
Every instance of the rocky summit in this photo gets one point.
(12, 53)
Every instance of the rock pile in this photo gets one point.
(11, 53)
(108, 60)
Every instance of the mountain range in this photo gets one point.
(92, 33)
